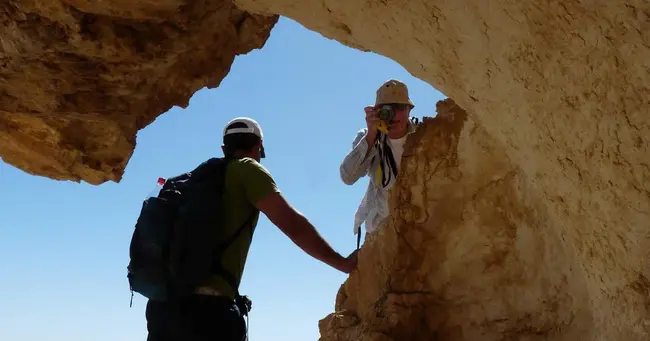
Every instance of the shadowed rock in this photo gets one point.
(80, 78)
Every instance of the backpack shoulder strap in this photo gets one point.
(223, 246)
(201, 172)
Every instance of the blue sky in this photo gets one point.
(64, 246)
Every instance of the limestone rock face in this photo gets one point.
(80, 78)
(562, 89)
(474, 251)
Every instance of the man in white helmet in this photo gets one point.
(213, 314)
(377, 152)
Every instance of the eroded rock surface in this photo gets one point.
(80, 78)
(563, 87)
(473, 252)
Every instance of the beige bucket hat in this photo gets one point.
(393, 91)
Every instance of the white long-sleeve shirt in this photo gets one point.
(373, 208)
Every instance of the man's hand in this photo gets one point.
(350, 263)
(372, 121)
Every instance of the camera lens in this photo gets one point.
(386, 113)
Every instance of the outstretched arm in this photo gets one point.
(296, 226)
(262, 192)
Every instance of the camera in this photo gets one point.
(386, 113)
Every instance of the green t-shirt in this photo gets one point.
(246, 182)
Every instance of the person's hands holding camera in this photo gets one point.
(372, 121)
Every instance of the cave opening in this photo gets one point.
(307, 92)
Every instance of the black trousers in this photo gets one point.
(198, 318)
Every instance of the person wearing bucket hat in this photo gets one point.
(215, 310)
(377, 152)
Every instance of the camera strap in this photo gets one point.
(387, 165)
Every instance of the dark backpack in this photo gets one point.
(173, 248)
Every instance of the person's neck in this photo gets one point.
(242, 154)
